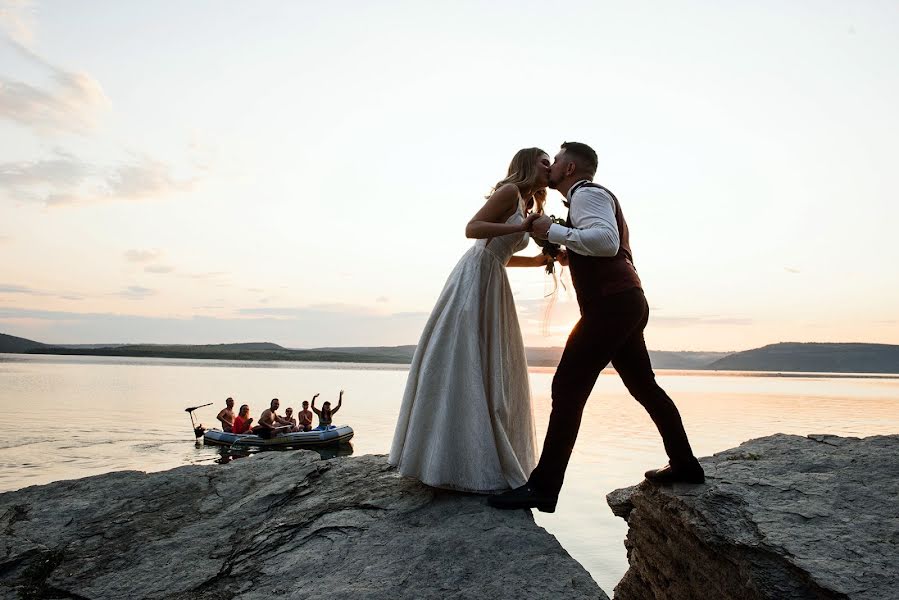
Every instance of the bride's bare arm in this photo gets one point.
(528, 261)
(490, 222)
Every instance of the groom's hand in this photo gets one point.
(540, 227)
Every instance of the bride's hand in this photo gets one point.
(528, 221)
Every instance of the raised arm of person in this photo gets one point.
(315, 410)
(339, 402)
(490, 221)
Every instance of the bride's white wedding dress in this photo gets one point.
(466, 421)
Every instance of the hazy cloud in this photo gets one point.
(158, 269)
(690, 321)
(306, 311)
(411, 315)
(17, 289)
(382, 299)
(16, 20)
(792, 270)
(140, 256)
(27, 291)
(60, 100)
(305, 329)
(63, 100)
(136, 292)
(65, 179)
(209, 275)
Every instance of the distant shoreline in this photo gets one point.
(784, 357)
(668, 371)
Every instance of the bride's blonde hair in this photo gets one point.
(522, 169)
(535, 203)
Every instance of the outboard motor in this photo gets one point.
(199, 430)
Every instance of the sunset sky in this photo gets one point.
(302, 173)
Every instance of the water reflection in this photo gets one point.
(120, 414)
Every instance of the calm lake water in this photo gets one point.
(67, 417)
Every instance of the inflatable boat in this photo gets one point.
(332, 436)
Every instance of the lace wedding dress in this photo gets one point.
(466, 421)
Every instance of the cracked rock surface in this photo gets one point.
(781, 517)
(284, 524)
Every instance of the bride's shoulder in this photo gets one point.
(507, 192)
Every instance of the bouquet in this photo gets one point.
(550, 249)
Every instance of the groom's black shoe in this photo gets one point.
(524, 497)
(690, 473)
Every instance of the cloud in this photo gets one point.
(63, 179)
(141, 256)
(136, 292)
(158, 269)
(792, 270)
(17, 289)
(306, 311)
(16, 19)
(304, 329)
(692, 321)
(57, 101)
(208, 275)
(27, 291)
(382, 299)
(65, 101)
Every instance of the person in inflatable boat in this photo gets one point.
(326, 413)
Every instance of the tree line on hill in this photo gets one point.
(782, 357)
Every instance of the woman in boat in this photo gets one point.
(243, 421)
(326, 412)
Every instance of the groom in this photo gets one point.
(614, 313)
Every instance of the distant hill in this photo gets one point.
(400, 353)
(823, 358)
(661, 359)
(13, 344)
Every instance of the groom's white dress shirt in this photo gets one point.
(594, 230)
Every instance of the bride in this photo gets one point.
(466, 421)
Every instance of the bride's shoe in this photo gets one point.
(524, 497)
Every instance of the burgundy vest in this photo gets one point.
(597, 276)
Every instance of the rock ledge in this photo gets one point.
(781, 517)
(286, 524)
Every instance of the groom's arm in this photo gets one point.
(595, 230)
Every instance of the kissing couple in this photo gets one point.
(466, 421)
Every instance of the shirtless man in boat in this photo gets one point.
(226, 415)
(270, 423)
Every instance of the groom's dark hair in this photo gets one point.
(583, 156)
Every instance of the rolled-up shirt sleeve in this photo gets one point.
(594, 230)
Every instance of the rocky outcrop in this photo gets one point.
(284, 524)
(782, 517)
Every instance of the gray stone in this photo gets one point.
(781, 517)
(280, 523)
